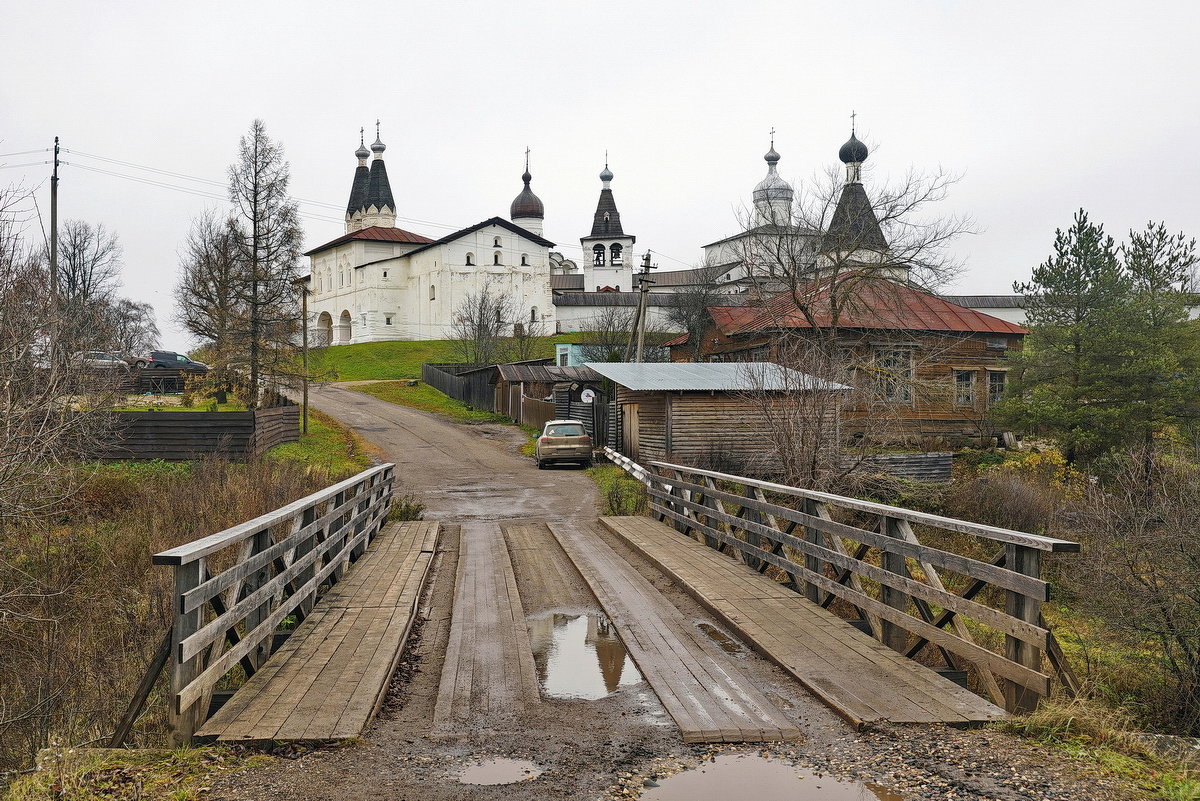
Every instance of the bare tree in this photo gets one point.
(690, 304)
(479, 324)
(266, 235)
(132, 327)
(608, 332)
(48, 402)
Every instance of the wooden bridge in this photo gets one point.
(308, 609)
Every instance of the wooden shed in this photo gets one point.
(707, 413)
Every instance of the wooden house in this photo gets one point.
(926, 371)
(714, 414)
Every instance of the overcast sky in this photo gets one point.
(1043, 107)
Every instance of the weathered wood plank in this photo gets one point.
(857, 676)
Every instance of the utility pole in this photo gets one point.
(54, 226)
(639, 319)
(304, 333)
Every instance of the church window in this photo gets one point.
(496, 242)
(432, 292)
(598, 255)
(385, 273)
(524, 259)
(496, 257)
(470, 259)
(387, 319)
(533, 315)
(617, 260)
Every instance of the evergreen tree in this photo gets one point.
(1111, 358)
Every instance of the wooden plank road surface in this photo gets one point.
(856, 675)
(701, 687)
(488, 675)
(328, 679)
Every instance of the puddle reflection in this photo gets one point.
(580, 656)
(729, 776)
(499, 771)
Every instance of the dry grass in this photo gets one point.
(82, 608)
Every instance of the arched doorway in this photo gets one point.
(324, 333)
(344, 330)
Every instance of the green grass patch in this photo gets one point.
(1094, 732)
(428, 399)
(101, 774)
(390, 361)
(622, 494)
(329, 445)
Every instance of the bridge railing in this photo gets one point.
(851, 554)
(234, 589)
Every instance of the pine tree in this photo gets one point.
(1112, 359)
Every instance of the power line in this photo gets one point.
(25, 152)
(26, 164)
(221, 197)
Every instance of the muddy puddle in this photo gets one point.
(729, 775)
(579, 656)
(499, 771)
(726, 643)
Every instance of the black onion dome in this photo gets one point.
(853, 151)
(526, 204)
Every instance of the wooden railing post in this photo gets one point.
(893, 636)
(184, 722)
(811, 563)
(1027, 561)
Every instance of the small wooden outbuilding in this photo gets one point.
(707, 413)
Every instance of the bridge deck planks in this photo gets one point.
(853, 673)
(488, 676)
(327, 680)
(701, 687)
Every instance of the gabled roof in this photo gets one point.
(770, 229)
(875, 305)
(545, 373)
(375, 233)
(710, 376)
(500, 221)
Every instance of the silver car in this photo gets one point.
(564, 441)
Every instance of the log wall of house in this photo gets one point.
(933, 413)
(717, 430)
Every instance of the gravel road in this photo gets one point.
(605, 748)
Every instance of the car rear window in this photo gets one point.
(565, 430)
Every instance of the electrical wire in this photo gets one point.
(198, 192)
(24, 152)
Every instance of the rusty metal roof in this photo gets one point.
(375, 233)
(711, 377)
(872, 305)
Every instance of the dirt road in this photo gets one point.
(597, 730)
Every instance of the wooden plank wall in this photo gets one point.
(181, 436)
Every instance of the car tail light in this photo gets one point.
(542, 439)
(587, 440)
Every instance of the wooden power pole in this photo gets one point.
(54, 226)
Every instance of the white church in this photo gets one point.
(379, 282)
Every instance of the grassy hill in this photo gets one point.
(395, 360)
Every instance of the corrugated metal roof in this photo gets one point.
(612, 299)
(567, 281)
(545, 373)
(986, 301)
(710, 377)
(872, 305)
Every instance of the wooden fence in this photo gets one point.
(866, 560)
(471, 384)
(234, 589)
(178, 436)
